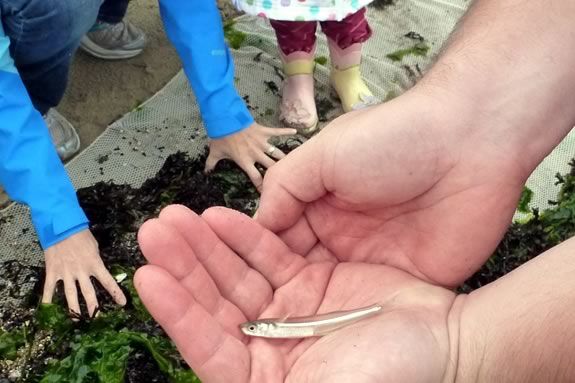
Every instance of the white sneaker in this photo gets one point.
(64, 136)
(107, 41)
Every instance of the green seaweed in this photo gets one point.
(11, 341)
(52, 317)
(120, 343)
(559, 222)
(101, 356)
(418, 49)
(239, 190)
(128, 283)
(527, 239)
(95, 350)
(99, 349)
(525, 200)
(234, 37)
(321, 60)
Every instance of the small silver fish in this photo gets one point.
(303, 327)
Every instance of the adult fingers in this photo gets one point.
(300, 238)
(290, 185)
(235, 280)
(259, 247)
(164, 246)
(213, 354)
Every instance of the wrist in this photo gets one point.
(509, 84)
(517, 329)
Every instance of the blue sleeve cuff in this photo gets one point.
(59, 221)
(56, 238)
(236, 119)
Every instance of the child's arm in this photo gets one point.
(30, 169)
(195, 28)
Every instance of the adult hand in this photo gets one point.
(211, 273)
(428, 182)
(205, 279)
(395, 185)
(76, 259)
(246, 148)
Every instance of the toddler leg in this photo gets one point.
(296, 41)
(345, 40)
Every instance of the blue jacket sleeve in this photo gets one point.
(195, 28)
(30, 169)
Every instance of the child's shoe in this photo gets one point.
(297, 107)
(346, 78)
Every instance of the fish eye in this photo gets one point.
(252, 328)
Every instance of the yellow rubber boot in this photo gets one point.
(346, 77)
(297, 107)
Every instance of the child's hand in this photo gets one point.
(74, 261)
(246, 148)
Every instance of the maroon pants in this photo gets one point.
(296, 36)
